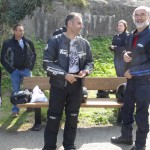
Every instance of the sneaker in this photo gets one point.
(15, 114)
(36, 127)
(122, 140)
(136, 148)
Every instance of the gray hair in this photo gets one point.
(147, 9)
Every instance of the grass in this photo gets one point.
(87, 116)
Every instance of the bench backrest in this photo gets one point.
(91, 83)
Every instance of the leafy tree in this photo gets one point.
(13, 11)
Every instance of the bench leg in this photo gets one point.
(37, 117)
(119, 117)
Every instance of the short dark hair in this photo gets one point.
(16, 25)
(71, 16)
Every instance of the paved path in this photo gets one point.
(93, 138)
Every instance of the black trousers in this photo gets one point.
(137, 92)
(70, 99)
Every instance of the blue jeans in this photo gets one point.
(16, 79)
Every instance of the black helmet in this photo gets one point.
(120, 92)
(102, 94)
(84, 94)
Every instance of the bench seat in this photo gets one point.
(91, 83)
(91, 102)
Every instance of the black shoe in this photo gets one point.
(136, 148)
(47, 149)
(70, 148)
(36, 127)
(118, 124)
(29, 109)
(122, 140)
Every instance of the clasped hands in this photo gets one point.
(71, 78)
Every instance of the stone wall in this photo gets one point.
(100, 17)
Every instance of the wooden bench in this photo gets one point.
(91, 83)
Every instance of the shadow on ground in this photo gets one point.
(93, 138)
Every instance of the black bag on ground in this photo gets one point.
(120, 92)
(21, 97)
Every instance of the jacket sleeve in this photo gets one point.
(32, 55)
(7, 57)
(121, 47)
(144, 68)
(50, 60)
(89, 65)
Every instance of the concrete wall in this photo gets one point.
(100, 17)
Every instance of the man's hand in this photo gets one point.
(127, 74)
(112, 47)
(71, 78)
(127, 57)
(82, 73)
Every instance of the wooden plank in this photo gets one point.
(31, 82)
(93, 103)
(91, 83)
(33, 105)
(100, 83)
(102, 104)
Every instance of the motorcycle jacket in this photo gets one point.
(14, 57)
(56, 58)
(140, 53)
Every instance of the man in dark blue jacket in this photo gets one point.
(18, 58)
(137, 58)
(67, 60)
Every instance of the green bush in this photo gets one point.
(103, 57)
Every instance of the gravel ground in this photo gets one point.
(93, 138)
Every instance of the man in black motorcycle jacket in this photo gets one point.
(67, 60)
(56, 59)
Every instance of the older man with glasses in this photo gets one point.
(137, 58)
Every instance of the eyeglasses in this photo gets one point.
(142, 15)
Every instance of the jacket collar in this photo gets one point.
(13, 38)
(67, 40)
(135, 33)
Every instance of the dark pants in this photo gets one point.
(137, 92)
(70, 99)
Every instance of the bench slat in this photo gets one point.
(95, 102)
(103, 83)
(91, 83)
(31, 82)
